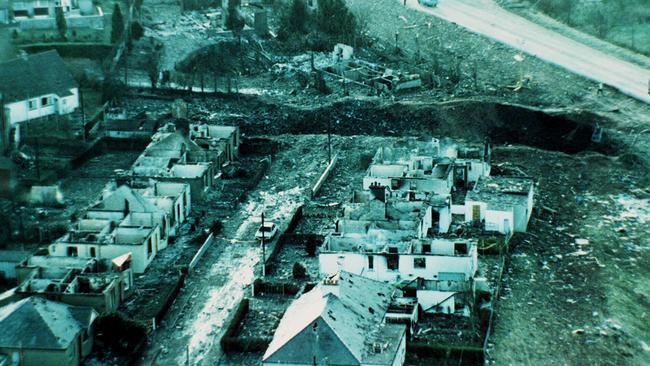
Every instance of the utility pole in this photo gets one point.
(263, 249)
(38, 161)
(83, 113)
(329, 140)
(126, 66)
(3, 123)
(396, 41)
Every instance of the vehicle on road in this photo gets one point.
(269, 230)
(429, 3)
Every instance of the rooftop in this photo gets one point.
(35, 75)
(354, 309)
(124, 199)
(37, 323)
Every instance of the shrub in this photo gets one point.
(299, 271)
(137, 31)
(335, 19)
(294, 19)
(117, 23)
(216, 227)
(310, 247)
(119, 333)
(112, 88)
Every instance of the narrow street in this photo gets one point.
(195, 323)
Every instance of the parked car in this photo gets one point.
(269, 229)
(429, 3)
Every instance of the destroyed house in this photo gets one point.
(170, 157)
(471, 163)
(503, 204)
(173, 198)
(468, 161)
(446, 295)
(370, 74)
(394, 256)
(172, 142)
(419, 176)
(425, 217)
(45, 332)
(39, 266)
(116, 204)
(103, 239)
(223, 138)
(344, 320)
(104, 292)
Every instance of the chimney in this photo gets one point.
(330, 284)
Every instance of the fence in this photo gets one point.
(279, 288)
(199, 254)
(86, 50)
(282, 240)
(231, 342)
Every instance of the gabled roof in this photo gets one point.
(116, 201)
(353, 308)
(42, 324)
(164, 142)
(35, 75)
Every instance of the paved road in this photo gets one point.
(486, 18)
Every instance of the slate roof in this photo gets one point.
(348, 313)
(37, 323)
(35, 75)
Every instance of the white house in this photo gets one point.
(39, 8)
(32, 87)
(504, 204)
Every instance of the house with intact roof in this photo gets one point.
(344, 320)
(34, 87)
(45, 332)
